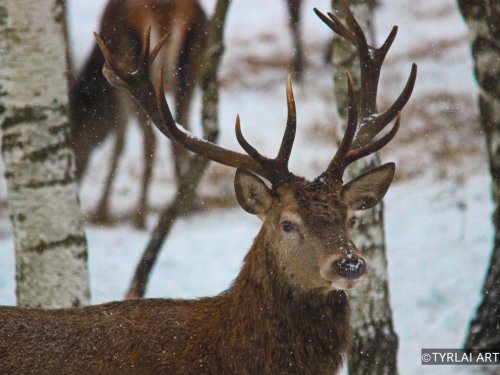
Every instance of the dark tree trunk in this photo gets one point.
(482, 18)
(375, 343)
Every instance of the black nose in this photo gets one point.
(350, 268)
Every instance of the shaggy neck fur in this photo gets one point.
(274, 327)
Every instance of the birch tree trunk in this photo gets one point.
(482, 18)
(375, 343)
(50, 246)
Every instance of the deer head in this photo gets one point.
(308, 223)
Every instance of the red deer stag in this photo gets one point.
(98, 109)
(287, 310)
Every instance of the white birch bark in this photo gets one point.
(50, 246)
(375, 343)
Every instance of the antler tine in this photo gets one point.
(370, 64)
(250, 150)
(375, 124)
(168, 122)
(134, 79)
(197, 145)
(363, 151)
(291, 127)
(146, 44)
(361, 42)
(382, 51)
(108, 57)
(158, 47)
(336, 25)
(277, 168)
(336, 166)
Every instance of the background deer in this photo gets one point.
(97, 109)
(287, 310)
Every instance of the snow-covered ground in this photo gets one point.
(437, 213)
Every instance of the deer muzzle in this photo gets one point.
(345, 271)
(350, 268)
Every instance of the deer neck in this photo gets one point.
(268, 313)
(262, 281)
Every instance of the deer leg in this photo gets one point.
(102, 214)
(298, 56)
(149, 149)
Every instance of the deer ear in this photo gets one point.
(252, 193)
(367, 190)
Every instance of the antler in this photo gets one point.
(354, 145)
(357, 145)
(137, 82)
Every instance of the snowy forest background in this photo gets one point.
(438, 212)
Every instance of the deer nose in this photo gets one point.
(350, 268)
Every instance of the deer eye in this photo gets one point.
(288, 226)
(352, 222)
